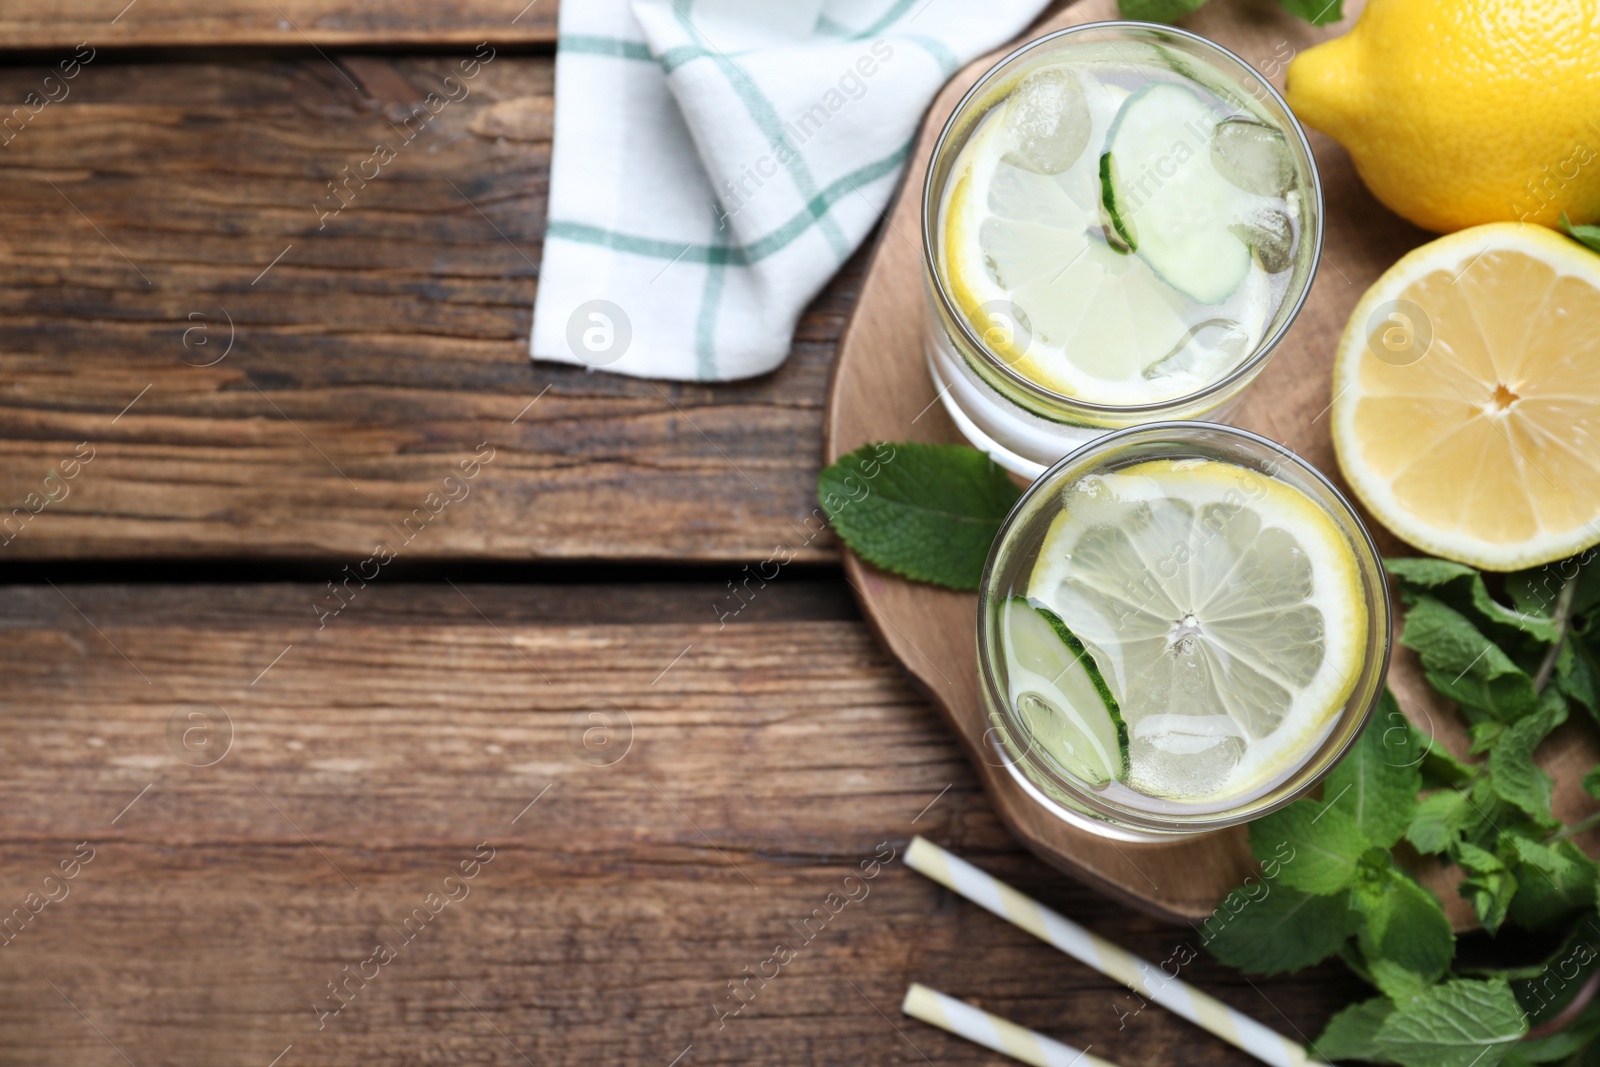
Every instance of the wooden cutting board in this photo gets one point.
(881, 392)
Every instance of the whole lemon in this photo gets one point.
(1462, 112)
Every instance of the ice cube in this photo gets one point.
(1167, 770)
(1253, 156)
(1207, 348)
(1048, 118)
(1270, 233)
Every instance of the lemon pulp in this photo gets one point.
(1466, 410)
(1225, 609)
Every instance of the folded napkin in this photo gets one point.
(716, 161)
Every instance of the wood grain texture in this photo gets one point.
(64, 24)
(148, 209)
(881, 391)
(773, 756)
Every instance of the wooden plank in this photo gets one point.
(374, 756)
(64, 24)
(374, 350)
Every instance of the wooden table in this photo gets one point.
(536, 690)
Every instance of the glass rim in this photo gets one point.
(1151, 825)
(1222, 385)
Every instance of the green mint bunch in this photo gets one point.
(1331, 883)
(1316, 12)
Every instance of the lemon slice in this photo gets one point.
(1224, 607)
(1466, 411)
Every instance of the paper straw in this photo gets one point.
(1149, 982)
(993, 1032)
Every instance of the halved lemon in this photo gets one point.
(1225, 608)
(1466, 411)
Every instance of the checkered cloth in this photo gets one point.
(716, 161)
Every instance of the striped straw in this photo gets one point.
(1176, 996)
(993, 1032)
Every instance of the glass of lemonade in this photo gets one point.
(1120, 222)
(1182, 626)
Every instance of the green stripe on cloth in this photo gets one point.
(833, 28)
(583, 233)
(603, 46)
(766, 118)
(705, 327)
(673, 58)
(730, 255)
(785, 234)
(948, 63)
(892, 15)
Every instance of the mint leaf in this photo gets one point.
(1578, 674)
(1489, 885)
(1425, 571)
(1585, 235)
(1158, 10)
(1436, 823)
(1535, 592)
(1352, 1033)
(1397, 983)
(1405, 925)
(1439, 767)
(1461, 1023)
(1591, 782)
(1285, 930)
(1485, 735)
(1323, 846)
(1588, 579)
(1463, 664)
(1377, 781)
(1316, 12)
(1553, 881)
(1588, 595)
(1440, 574)
(1485, 813)
(928, 512)
(1517, 779)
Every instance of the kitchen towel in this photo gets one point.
(716, 161)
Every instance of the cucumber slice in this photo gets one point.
(1165, 197)
(1118, 230)
(1061, 696)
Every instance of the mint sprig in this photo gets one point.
(1316, 12)
(927, 512)
(1516, 658)
(1588, 236)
